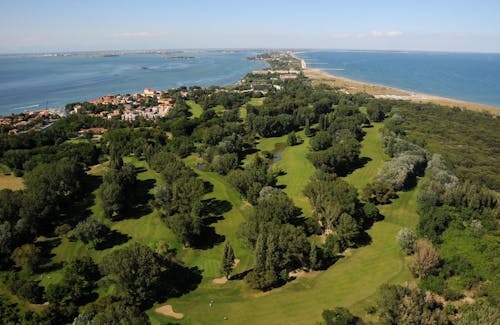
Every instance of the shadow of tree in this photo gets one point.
(46, 255)
(357, 164)
(208, 238)
(80, 207)
(114, 238)
(178, 280)
(239, 276)
(363, 239)
(214, 207)
(140, 201)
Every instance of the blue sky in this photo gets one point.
(55, 25)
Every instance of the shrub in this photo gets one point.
(427, 258)
(222, 164)
(406, 239)
(62, 230)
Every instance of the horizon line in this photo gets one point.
(293, 49)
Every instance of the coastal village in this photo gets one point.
(153, 104)
(149, 105)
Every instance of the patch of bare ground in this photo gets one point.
(302, 274)
(223, 279)
(168, 310)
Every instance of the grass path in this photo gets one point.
(351, 282)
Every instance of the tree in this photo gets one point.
(120, 313)
(406, 239)
(307, 129)
(223, 164)
(227, 262)
(6, 239)
(427, 257)
(378, 192)
(480, 313)
(321, 141)
(339, 316)
(187, 225)
(91, 231)
(27, 257)
(115, 158)
(292, 140)
(371, 212)
(117, 191)
(375, 114)
(347, 229)
(136, 270)
(50, 188)
(330, 197)
(314, 259)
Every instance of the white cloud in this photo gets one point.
(377, 34)
(394, 34)
(372, 34)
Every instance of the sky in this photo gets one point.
(87, 25)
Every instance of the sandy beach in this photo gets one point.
(380, 91)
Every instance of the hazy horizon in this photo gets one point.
(187, 50)
(29, 26)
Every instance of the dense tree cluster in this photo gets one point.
(75, 289)
(117, 191)
(250, 180)
(179, 197)
(336, 207)
(467, 140)
(402, 305)
(213, 96)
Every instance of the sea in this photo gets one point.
(31, 82)
(473, 77)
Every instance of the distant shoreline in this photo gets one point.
(382, 91)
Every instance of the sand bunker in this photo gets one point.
(220, 280)
(167, 310)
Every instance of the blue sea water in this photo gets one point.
(466, 76)
(34, 82)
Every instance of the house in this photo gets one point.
(288, 76)
(150, 92)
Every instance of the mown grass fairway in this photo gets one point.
(371, 149)
(351, 282)
(196, 109)
(298, 169)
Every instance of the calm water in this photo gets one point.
(28, 83)
(465, 76)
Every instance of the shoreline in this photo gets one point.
(382, 91)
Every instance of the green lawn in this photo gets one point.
(196, 109)
(298, 171)
(351, 282)
(371, 149)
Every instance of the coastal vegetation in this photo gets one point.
(314, 205)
